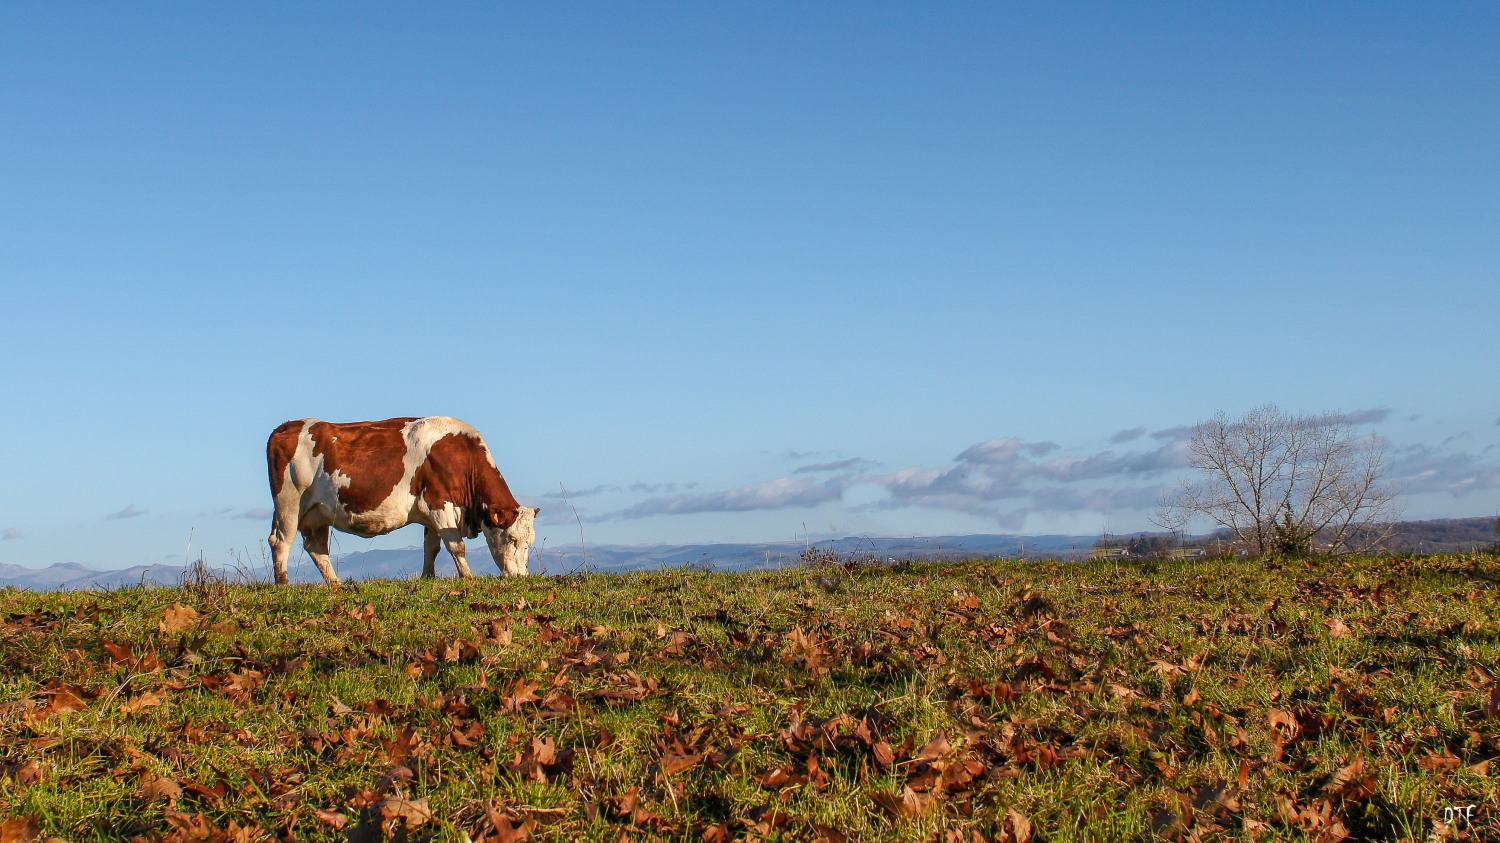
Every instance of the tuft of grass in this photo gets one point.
(1320, 699)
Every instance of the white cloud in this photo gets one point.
(129, 511)
(781, 493)
(1417, 469)
(257, 514)
(851, 464)
(11, 533)
(999, 480)
(638, 487)
(659, 488)
(1180, 433)
(999, 470)
(1372, 416)
(558, 494)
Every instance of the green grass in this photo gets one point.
(1251, 699)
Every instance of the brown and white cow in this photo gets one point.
(369, 478)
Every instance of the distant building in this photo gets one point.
(1143, 547)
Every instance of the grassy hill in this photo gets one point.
(1260, 700)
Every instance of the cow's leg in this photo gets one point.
(430, 543)
(455, 542)
(315, 541)
(283, 534)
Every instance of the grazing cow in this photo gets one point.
(369, 478)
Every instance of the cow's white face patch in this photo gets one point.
(512, 547)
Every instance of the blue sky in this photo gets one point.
(735, 272)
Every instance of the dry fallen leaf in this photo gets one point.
(23, 830)
(400, 749)
(143, 702)
(1284, 723)
(28, 772)
(178, 618)
(672, 764)
(1165, 668)
(158, 789)
(935, 749)
(392, 819)
(1445, 763)
(521, 692)
(63, 699)
(244, 682)
(906, 804)
(19, 830)
(1347, 775)
(1018, 826)
(504, 829)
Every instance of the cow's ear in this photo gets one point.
(494, 516)
(537, 511)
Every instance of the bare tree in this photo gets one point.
(1172, 519)
(1287, 484)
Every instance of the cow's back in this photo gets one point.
(366, 460)
(370, 478)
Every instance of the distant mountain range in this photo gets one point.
(1449, 535)
(406, 563)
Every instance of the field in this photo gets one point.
(1273, 699)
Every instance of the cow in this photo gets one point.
(369, 478)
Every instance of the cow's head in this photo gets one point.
(510, 543)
